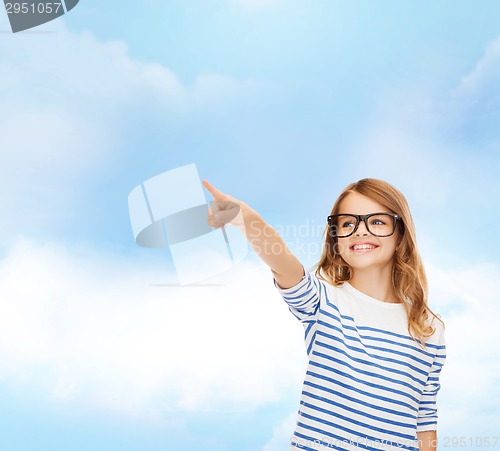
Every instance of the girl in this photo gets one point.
(375, 348)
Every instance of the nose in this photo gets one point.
(362, 230)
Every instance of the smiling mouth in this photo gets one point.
(363, 247)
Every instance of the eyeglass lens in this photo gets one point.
(379, 225)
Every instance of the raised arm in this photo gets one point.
(263, 238)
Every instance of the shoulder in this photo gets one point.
(437, 339)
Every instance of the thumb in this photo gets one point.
(218, 195)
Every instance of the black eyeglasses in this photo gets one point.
(378, 224)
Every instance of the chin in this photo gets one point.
(356, 262)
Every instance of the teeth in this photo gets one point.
(363, 246)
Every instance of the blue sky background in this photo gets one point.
(280, 104)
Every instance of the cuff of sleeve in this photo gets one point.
(427, 427)
(297, 286)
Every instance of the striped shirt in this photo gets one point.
(368, 385)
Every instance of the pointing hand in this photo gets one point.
(225, 209)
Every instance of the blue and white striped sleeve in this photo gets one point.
(427, 410)
(303, 298)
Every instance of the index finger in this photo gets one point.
(213, 190)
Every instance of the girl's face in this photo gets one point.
(362, 250)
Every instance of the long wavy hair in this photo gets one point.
(408, 275)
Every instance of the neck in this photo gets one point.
(376, 283)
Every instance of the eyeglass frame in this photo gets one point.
(364, 218)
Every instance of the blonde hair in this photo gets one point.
(408, 275)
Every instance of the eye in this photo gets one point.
(378, 221)
(347, 224)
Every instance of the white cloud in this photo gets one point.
(87, 329)
(439, 147)
(68, 102)
(62, 67)
(479, 88)
(93, 329)
(282, 433)
(468, 301)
